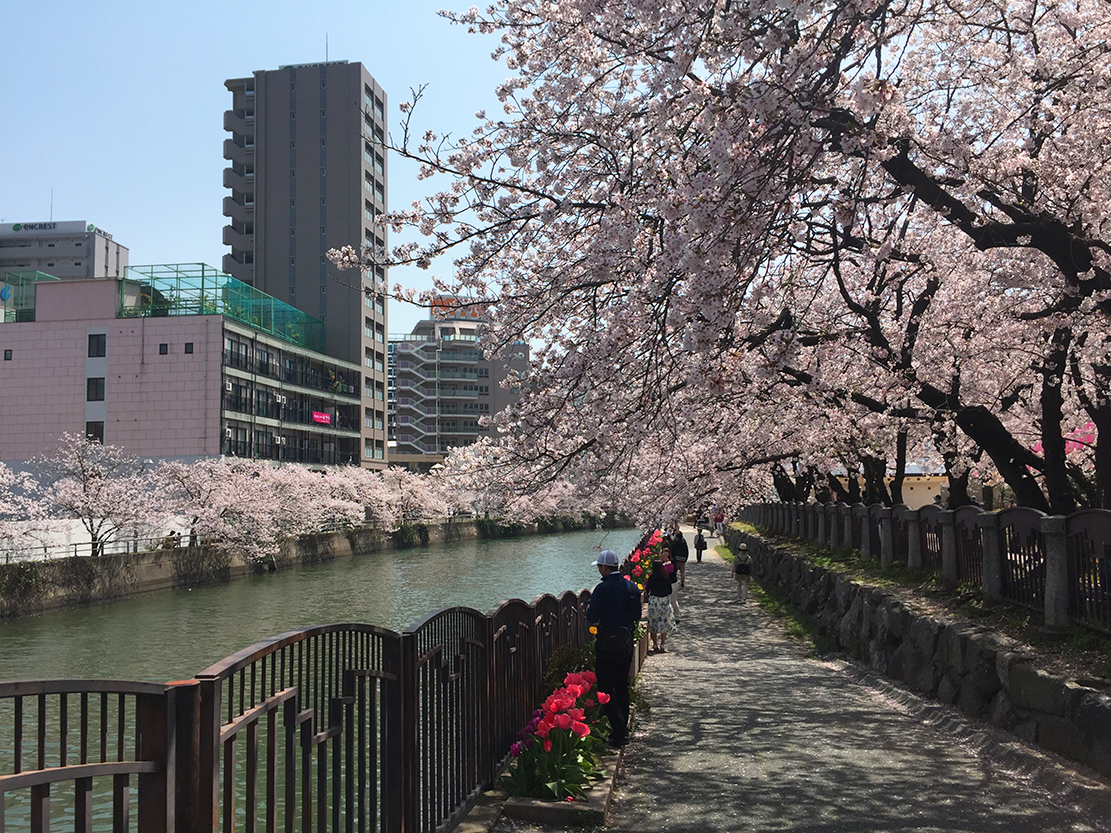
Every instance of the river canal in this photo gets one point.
(175, 634)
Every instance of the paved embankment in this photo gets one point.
(747, 733)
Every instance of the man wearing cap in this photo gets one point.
(615, 608)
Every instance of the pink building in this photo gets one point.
(173, 362)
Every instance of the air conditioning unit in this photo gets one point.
(281, 440)
(281, 400)
(227, 433)
(227, 385)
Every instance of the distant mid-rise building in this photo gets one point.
(71, 250)
(441, 385)
(307, 173)
(173, 362)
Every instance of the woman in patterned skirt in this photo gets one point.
(657, 590)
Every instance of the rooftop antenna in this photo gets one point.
(325, 47)
(52, 205)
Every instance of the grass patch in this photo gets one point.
(796, 626)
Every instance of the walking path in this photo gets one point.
(745, 732)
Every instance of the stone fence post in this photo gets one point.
(847, 526)
(946, 519)
(866, 553)
(914, 541)
(1056, 572)
(988, 525)
(822, 536)
(887, 541)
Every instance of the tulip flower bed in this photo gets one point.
(558, 754)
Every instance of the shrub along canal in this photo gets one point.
(175, 634)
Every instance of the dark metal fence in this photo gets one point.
(1088, 542)
(1023, 551)
(970, 549)
(343, 727)
(930, 533)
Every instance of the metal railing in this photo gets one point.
(344, 727)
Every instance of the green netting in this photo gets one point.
(19, 303)
(198, 289)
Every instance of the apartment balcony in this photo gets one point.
(239, 183)
(237, 240)
(235, 152)
(235, 123)
(453, 393)
(237, 269)
(235, 210)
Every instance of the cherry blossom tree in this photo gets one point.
(99, 486)
(895, 213)
(20, 510)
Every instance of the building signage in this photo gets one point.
(324, 419)
(55, 226)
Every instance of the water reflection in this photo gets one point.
(171, 635)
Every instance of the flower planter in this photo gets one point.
(590, 810)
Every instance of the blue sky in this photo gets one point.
(118, 106)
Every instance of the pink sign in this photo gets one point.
(326, 419)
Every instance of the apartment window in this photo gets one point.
(163, 349)
(292, 173)
(94, 389)
(94, 432)
(293, 261)
(293, 232)
(7, 355)
(98, 345)
(323, 114)
(292, 145)
(323, 171)
(323, 200)
(324, 143)
(323, 229)
(188, 347)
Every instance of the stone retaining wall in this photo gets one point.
(28, 588)
(982, 672)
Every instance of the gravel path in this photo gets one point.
(747, 733)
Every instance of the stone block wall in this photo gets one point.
(31, 587)
(983, 673)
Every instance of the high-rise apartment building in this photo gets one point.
(442, 385)
(307, 174)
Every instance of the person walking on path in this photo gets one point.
(615, 608)
(699, 545)
(680, 552)
(672, 576)
(657, 592)
(742, 571)
(719, 523)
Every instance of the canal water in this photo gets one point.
(175, 634)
